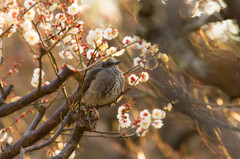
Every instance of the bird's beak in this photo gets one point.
(117, 62)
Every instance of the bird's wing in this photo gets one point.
(91, 75)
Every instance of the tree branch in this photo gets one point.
(34, 95)
(43, 130)
(49, 141)
(5, 93)
(41, 111)
(72, 142)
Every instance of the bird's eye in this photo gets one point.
(107, 64)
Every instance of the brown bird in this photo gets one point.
(103, 84)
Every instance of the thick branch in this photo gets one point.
(5, 94)
(72, 142)
(43, 130)
(34, 95)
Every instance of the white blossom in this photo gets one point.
(158, 114)
(145, 114)
(110, 33)
(65, 54)
(90, 53)
(137, 61)
(9, 140)
(145, 123)
(73, 9)
(67, 38)
(127, 40)
(28, 3)
(29, 15)
(31, 37)
(157, 123)
(94, 36)
(26, 25)
(141, 44)
(119, 53)
(53, 7)
(111, 50)
(168, 107)
(124, 121)
(2, 18)
(73, 31)
(133, 79)
(144, 77)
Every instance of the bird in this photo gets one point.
(103, 84)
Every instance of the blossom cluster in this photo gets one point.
(98, 41)
(123, 116)
(35, 78)
(61, 24)
(148, 58)
(145, 119)
(134, 79)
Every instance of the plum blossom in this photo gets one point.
(94, 36)
(67, 38)
(123, 116)
(119, 53)
(26, 25)
(73, 9)
(125, 121)
(157, 123)
(127, 40)
(137, 61)
(90, 53)
(144, 77)
(145, 114)
(28, 3)
(168, 107)
(53, 7)
(60, 17)
(31, 37)
(141, 44)
(133, 79)
(145, 122)
(110, 33)
(29, 15)
(35, 78)
(45, 26)
(158, 114)
(111, 50)
(13, 12)
(2, 18)
(103, 46)
(65, 54)
(73, 31)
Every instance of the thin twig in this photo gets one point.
(41, 111)
(49, 141)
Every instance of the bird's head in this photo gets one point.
(110, 62)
